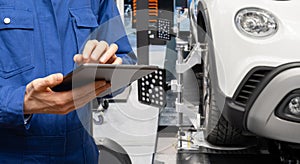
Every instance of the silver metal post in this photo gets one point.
(179, 94)
(180, 45)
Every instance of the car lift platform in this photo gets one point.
(167, 153)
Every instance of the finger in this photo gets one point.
(78, 59)
(91, 95)
(111, 60)
(88, 48)
(79, 102)
(47, 82)
(74, 102)
(81, 91)
(102, 89)
(118, 61)
(102, 46)
(71, 95)
(109, 53)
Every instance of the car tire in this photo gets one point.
(220, 132)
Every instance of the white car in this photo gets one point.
(251, 71)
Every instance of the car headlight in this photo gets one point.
(256, 22)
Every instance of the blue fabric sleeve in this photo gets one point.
(11, 106)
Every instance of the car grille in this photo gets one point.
(250, 84)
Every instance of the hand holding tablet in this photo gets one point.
(118, 76)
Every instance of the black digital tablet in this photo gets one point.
(118, 75)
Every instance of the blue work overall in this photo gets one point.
(39, 38)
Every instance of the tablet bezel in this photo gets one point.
(89, 72)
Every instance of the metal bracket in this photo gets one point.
(197, 141)
(194, 57)
(175, 87)
(189, 110)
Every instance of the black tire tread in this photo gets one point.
(222, 133)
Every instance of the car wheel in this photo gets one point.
(220, 132)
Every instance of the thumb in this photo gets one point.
(48, 82)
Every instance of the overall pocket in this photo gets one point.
(16, 41)
(84, 22)
(7, 3)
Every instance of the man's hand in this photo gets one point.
(98, 52)
(39, 98)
